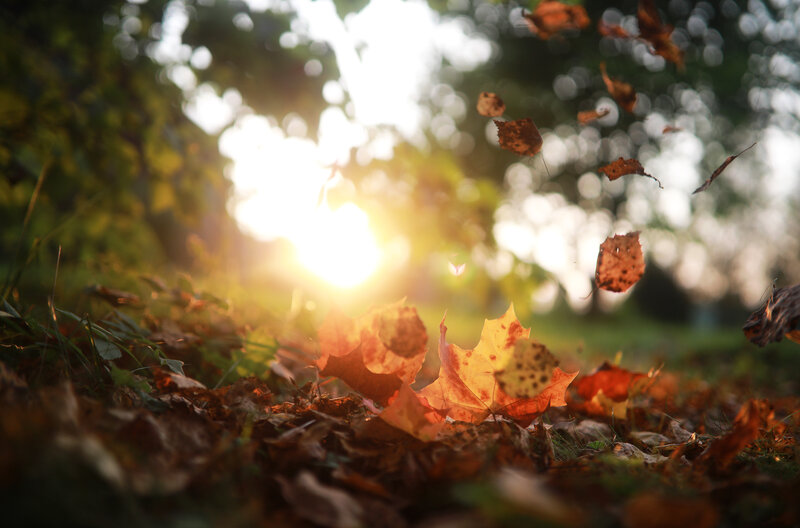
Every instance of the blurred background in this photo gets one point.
(292, 154)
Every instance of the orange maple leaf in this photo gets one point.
(375, 353)
(469, 389)
(410, 414)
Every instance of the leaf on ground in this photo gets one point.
(620, 263)
(779, 317)
(490, 105)
(407, 413)
(607, 391)
(590, 115)
(114, 297)
(657, 34)
(321, 504)
(467, 388)
(107, 350)
(719, 170)
(650, 509)
(375, 353)
(170, 381)
(621, 167)
(622, 92)
(552, 17)
(752, 416)
(520, 136)
(611, 30)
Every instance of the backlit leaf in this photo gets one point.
(656, 33)
(622, 92)
(621, 167)
(520, 136)
(551, 17)
(620, 263)
(490, 105)
(590, 115)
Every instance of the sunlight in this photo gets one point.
(338, 246)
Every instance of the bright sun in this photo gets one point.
(338, 246)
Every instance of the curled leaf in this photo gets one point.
(656, 33)
(620, 263)
(590, 115)
(752, 416)
(670, 129)
(719, 170)
(520, 136)
(622, 92)
(779, 317)
(621, 167)
(490, 105)
(551, 17)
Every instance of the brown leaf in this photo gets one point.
(490, 105)
(407, 413)
(621, 167)
(719, 170)
(670, 129)
(652, 510)
(321, 504)
(551, 17)
(657, 34)
(590, 115)
(620, 263)
(376, 352)
(752, 416)
(779, 317)
(622, 92)
(520, 136)
(611, 30)
(114, 297)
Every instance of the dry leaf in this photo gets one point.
(376, 352)
(621, 167)
(670, 129)
(590, 115)
(616, 383)
(622, 92)
(323, 505)
(520, 136)
(657, 34)
(611, 30)
(719, 170)
(752, 416)
(779, 317)
(490, 105)
(652, 510)
(551, 17)
(467, 388)
(620, 263)
(407, 413)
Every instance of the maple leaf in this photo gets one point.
(375, 353)
(471, 383)
(657, 34)
(621, 167)
(520, 136)
(590, 115)
(620, 263)
(407, 413)
(490, 105)
(719, 170)
(622, 92)
(607, 390)
(779, 317)
(551, 17)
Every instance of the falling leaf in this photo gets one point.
(719, 170)
(779, 317)
(374, 353)
(467, 388)
(620, 263)
(752, 416)
(590, 115)
(657, 34)
(407, 413)
(670, 129)
(490, 105)
(621, 167)
(456, 269)
(622, 92)
(551, 17)
(611, 30)
(520, 136)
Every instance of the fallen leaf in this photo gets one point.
(551, 17)
(657, 34)
(653, 510)
(467, 388)
(779, 317)
(320, 504)
(375, 353)
(752, 416)
(520, 136)
(407, 413)
(719, 169)
(490, 105)
(628, 451)
(616, 383)
(114, 297)
(620, 263)
(611, 30)
(528, 371)
(622, 92)
(621, 167)
(590, 115)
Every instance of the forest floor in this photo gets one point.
(172, 412)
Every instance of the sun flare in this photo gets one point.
(338, 246)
